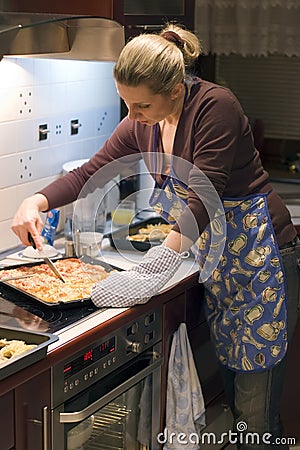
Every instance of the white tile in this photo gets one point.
(28, 189)
(74, 97)
(45, 122)
(17, 103)
(106, 119)
(42, 71)
(13, 74)
(37, 91)
(25, 134)
(60, 70)
(25, 102)
(103, 69)
(82, 149)
(8, 238)
(87, 97)
(87, 128)
(25, 167)
(8, 138)
(98, 143)
(25, 71)
(9, 174)
(59, 130)
(106, 92)
(9, 104)
(8, 197)
(45, 101)
(50, 164)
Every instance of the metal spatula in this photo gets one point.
(47, 260)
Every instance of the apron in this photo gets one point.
(245, 292)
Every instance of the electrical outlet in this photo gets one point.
(43, 132)
(25, 167)
(25, 102)
(58, 129)
(74, 127)
(101, 123)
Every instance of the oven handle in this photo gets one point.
(78, 416)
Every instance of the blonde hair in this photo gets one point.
(158, 61)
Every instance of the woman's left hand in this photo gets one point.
(139, 284)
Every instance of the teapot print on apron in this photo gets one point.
(245, 293)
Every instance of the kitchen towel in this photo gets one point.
(185, 409)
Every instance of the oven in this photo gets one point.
(108, 395)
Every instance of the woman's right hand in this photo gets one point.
(27, 219)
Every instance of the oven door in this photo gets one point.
(120, 411)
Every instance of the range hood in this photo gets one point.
(87, 38)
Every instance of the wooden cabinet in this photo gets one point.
(32, 413)
(188, 307)
(137, 16)
(105, 8)
(146, 17)
(290, 404)
(7, 421)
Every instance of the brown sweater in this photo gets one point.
(213, 134)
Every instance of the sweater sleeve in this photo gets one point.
(118, 151)
(218, 130)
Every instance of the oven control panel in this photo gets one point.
(105, 355)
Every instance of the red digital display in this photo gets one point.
(68, 368)
(88, 355)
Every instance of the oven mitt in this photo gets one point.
(139, 284)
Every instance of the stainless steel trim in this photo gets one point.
(75, 125)
(42, 131)
(87, 38)
(78, 416)
(45, 428)
(145, 27)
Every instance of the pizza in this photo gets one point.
(151, 232)
(42, 283)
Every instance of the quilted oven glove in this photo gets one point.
(139, 284)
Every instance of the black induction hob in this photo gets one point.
(18, 311)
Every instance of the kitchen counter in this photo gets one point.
(179, 301)
(124, 261)
(80, 334)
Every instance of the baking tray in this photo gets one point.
(17, 363)
(60, 304)
(118, 237)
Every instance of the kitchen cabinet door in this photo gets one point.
(105, 8)
(32, 413)
(7, 421)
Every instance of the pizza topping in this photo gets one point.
(44, 285)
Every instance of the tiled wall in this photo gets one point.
(48, 92)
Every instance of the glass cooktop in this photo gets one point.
(16, 311)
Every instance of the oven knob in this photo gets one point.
(134, 347)
(132, 329)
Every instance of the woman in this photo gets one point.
(177, 120)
